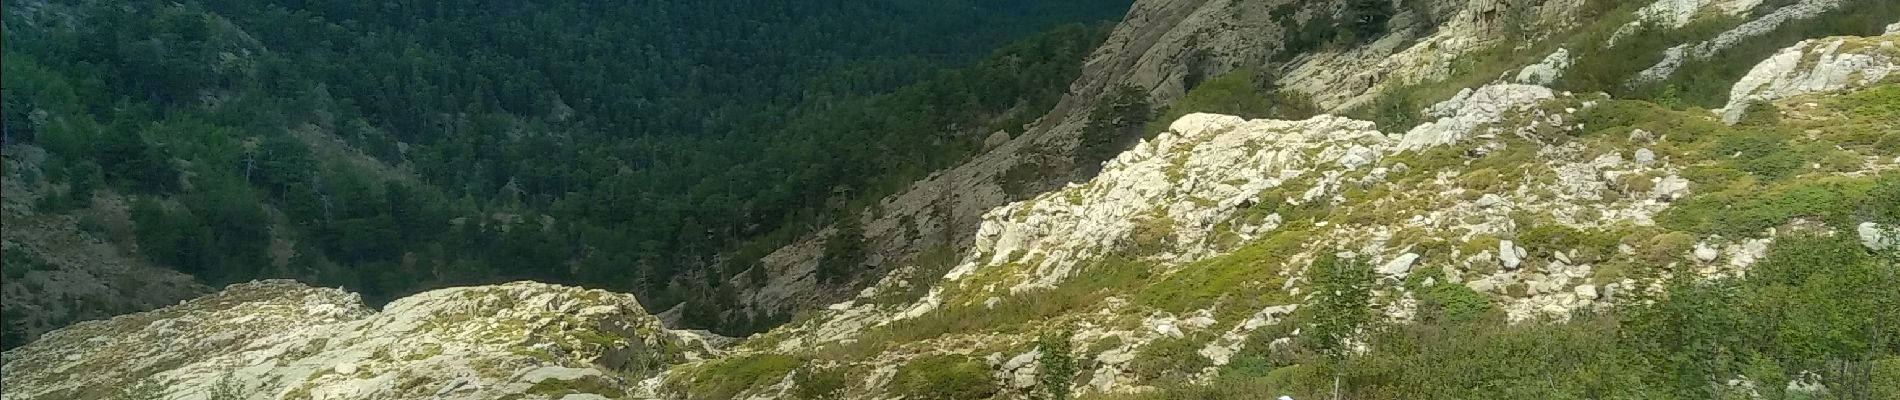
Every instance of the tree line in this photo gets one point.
(613, 145)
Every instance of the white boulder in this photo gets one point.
(1878, 238)
(1510, 255)
(1400, 265)
(1547, 71)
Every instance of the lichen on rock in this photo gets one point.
(1814, 66)
(281, 339)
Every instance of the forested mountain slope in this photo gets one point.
(390, 147)
(1357, 199)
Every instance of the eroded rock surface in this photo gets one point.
(285, 340)
(1815, 66)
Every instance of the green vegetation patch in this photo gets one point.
(817, 383)
(726, 378)
(944, 377)
(1245, 93)
(1241, 281)
(1748, 213)
(1171, 359)
(1018, 312)
(556, 388)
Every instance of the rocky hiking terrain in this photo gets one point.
(285, 340)
(1195, 259)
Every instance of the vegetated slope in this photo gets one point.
(1612, 247)
(1159, 51)
(1510, 240)
(395, 147)
(1523, 243)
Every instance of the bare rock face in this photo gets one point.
(1815, 66)
(1172, 190)
(285, 340)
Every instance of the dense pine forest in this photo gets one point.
(398, 146)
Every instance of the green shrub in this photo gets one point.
(92, 224)
(1884, 379)
(1152, 235)
(227, 388)
(1396, 110)
(813, 383)
(944, 377)
(1545, 239)
(1882, 203)
(1877, 102)
(1452, 302)
(1171, 359)
(1114, 124)
(1764, 153)
(844, 253)
(557, 388)
(1056, 367)
(1367, 19)
(725, 379)
(1745, 214)
(1668, 247)
(1302, 36)
(18, 262)
(1244, 93)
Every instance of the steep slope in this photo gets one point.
(1508, 238)
(1194, 249)
(66, 268)
(1160, 48)
(284, 340)
(394, 148)
(1303, 53)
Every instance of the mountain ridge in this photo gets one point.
(1620, 239)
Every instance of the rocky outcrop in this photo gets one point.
(1468, 111)
(1815, 66)
(1547, 71)
(1677, 13)
(1170, 193)
(1156, 48)
(284, 340)
(1676, 56)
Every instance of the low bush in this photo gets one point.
(725, 379)
(1171, 359)
(814, 383)
(944, 377)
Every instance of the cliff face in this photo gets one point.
(284, 340)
